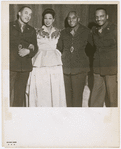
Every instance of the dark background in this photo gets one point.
(86, 13)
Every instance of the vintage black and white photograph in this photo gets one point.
(63, 55)
(60, 74)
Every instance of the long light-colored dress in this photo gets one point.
(45, 87)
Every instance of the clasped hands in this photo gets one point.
(25, 51)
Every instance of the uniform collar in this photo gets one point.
(17, 26)
(105, 25)
(76, 27)
(100, 29)
(74, 30)
(20, 24)
(105, 29)
(79, 29)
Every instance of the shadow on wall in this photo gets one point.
(66, 22)
(91, 25)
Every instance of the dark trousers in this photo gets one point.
(104, 90)
(74, 86)
(18, 81)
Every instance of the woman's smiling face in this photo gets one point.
(48, 20)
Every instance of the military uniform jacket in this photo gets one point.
(77, 61)
(28, 36)
(105, 57)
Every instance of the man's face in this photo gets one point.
(25, 15)
(101, 17)
(72, 20)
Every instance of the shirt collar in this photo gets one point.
(105, 25)
(46, 30)
(76, 27)
(20, 24)
(73, 30)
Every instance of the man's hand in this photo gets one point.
(23, 52)
(31, 46)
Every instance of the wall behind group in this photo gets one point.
(86, 13)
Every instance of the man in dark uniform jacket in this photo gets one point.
(105, 62)
(72, 43)
(23, 46)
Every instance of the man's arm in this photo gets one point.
(33, 46)
(60, 43)
(90, 47)
(115, 33)
(90, 50)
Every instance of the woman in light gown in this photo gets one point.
(45, 87)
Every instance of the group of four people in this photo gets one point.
(48, 67)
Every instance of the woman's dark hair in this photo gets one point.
(48, 11)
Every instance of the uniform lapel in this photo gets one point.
(104, 30)
(68, 30)
(27, 28)
(16, 26)
(79, 30)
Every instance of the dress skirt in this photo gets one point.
(45, 87)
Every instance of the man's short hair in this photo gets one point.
(73, 12)
(21, 9)
(101, 9)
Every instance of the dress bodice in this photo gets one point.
(47, 54)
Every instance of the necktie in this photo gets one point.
(72, 32)
(22, 28)
(100, 30)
